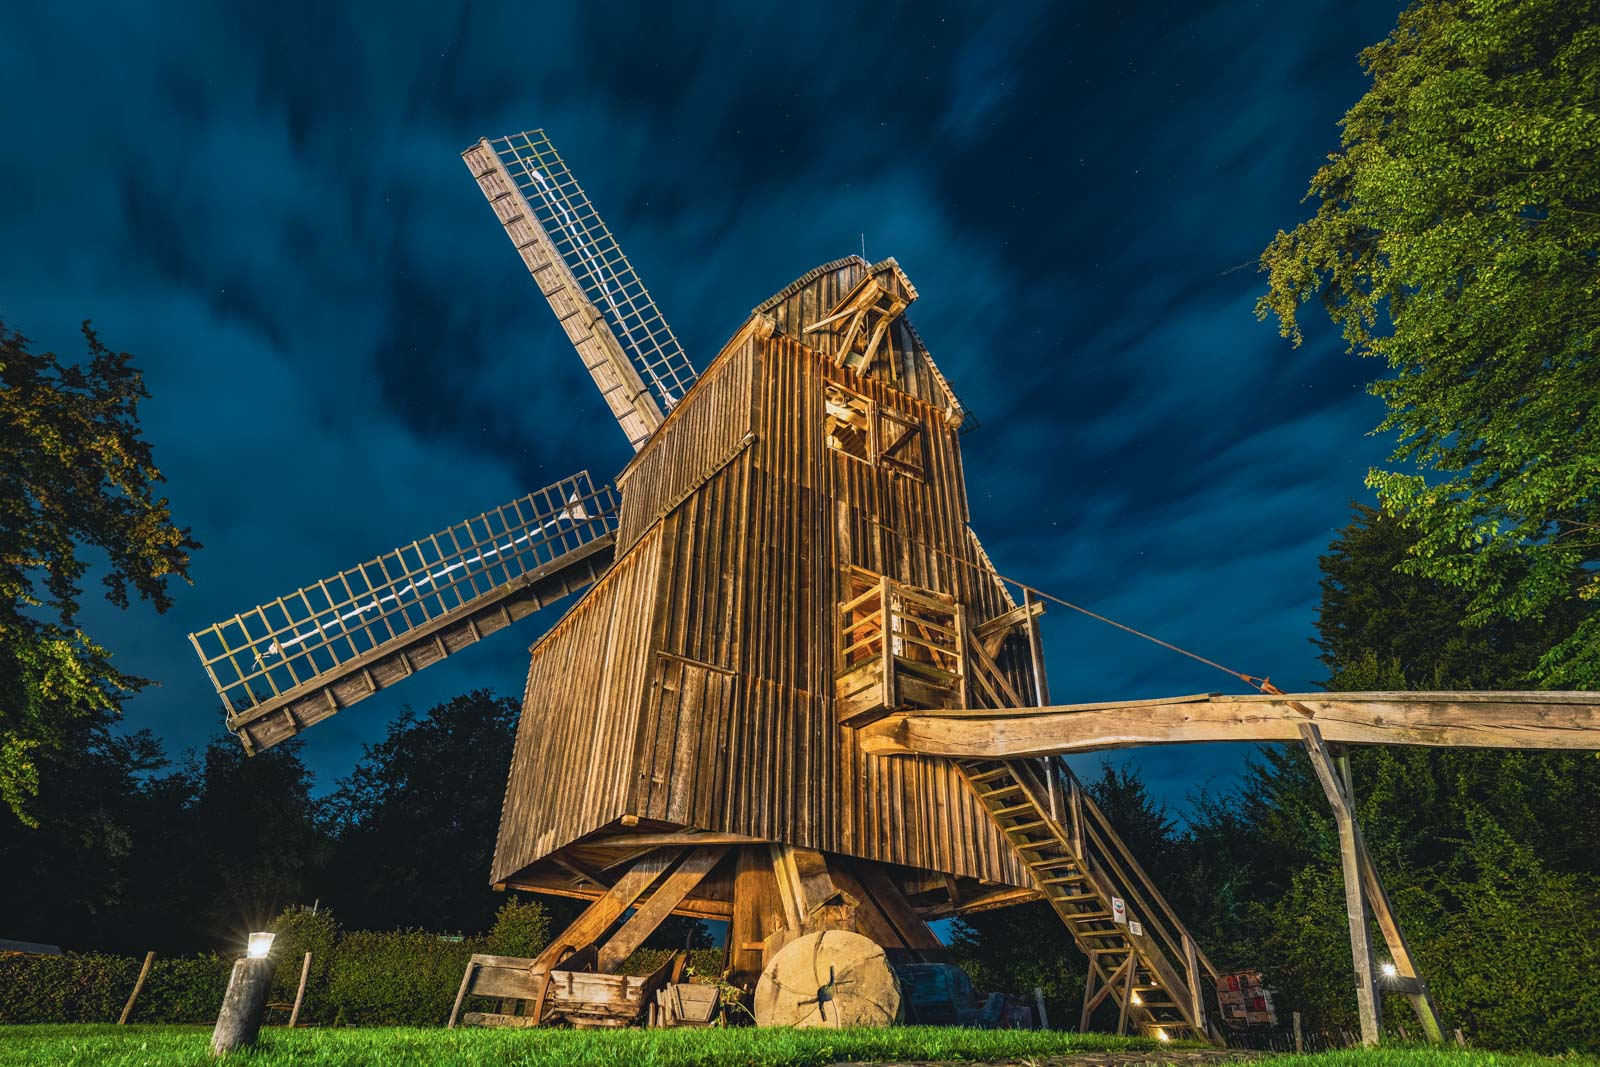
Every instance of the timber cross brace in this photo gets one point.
(793, 693)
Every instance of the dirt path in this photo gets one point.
(1150, 1058)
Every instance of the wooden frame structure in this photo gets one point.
(795, 694)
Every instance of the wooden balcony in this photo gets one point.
(900, 647)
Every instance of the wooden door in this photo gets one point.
(688, 715)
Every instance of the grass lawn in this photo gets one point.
(162, 1045)
(127, 1046)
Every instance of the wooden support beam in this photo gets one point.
(1127, 994)
(1033, 608)
(580, 872)
(1363, 891)
(993, 632)
(597, 918)
(868, 917)
(804, 884)
(677, 885)
(1088, 991)
(913, 930)
(1556, 720)
(757, 912)
(658, 840)
(1369, 1003)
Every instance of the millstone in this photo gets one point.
(834, 978)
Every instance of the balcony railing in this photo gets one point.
(900, 646)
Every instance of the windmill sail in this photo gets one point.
(300, 658)
(611, 319)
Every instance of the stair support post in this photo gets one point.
(1041, 688)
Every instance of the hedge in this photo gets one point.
(93, 988)
(358, 978)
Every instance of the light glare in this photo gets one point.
(1389, 970)
(260, 945)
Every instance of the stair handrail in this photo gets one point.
(1148, 884)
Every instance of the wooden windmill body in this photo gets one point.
(795, 694)
(697, 687)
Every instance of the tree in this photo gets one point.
(78, 476)
(1380, 627)
(74, 879)
(415, 822)
(1455, 237)
(248, 843)
(1139, 819)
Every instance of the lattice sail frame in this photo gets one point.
(259, 655)
(597, 262)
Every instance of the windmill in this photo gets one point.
(795, 694)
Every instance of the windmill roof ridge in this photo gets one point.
(806, 279)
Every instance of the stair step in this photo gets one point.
(1065, 879)
(988, 776)
(1034, 846)
(1014, 809)
(1023, 827)
(1079, 916)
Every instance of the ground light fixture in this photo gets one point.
(1389, 970)
(245, 1002)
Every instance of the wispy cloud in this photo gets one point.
(266, 205)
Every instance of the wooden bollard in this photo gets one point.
(239, 1021)
(1299, 1037)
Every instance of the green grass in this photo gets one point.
(171, 1045)
(741, 1047)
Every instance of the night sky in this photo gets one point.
(266, 205)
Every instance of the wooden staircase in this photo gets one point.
(905, 647)
(1079, 863)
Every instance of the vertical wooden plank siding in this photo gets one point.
(572, 762)
(694, 683)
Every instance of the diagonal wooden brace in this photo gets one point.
(1363, 890)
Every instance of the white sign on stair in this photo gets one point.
(1119, 912)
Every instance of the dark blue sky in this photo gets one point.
(266, 205)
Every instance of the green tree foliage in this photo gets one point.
(1456, 238)
(415, 822)
(70, 879)
(521, 928)
(250, 844)
(1380, 627)
(78, 480)
(133, 854)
